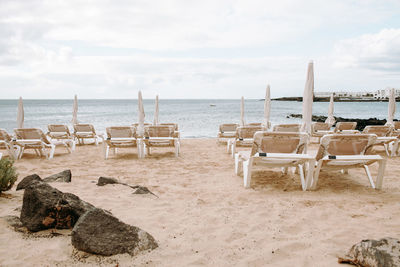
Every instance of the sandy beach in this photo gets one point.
(204, 216)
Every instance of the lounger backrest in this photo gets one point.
(31, 133)
(320, 126)
(228, 127)
(170, 124)
(254, 124)
(84, 128)
(345, 144)
(345, 125)
(58, 128)
(121, 132)
(245, 132)
(379, 130)
(292, 128)
(279, 142)
(4, 135)
(136, 125)
(158, 131)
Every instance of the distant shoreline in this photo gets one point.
(327, 99)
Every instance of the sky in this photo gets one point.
(195, 49)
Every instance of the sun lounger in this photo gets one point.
(319, 129)
(276, 150)
(244, 137)
(7, 143)
(61, 132)
(176, 130)
(346, 127)
(227, 131)
(345, 151)
(33, 138)
(121, 137)
(289, 128)
(384, 139)
(84, 131)
(160, 136)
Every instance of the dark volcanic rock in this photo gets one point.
(64, 176)
(25, 182)
(361, 123)
(46, 207)
(106, 180)
(99, 232)
(374, 253)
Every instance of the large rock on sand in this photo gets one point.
(99, 232)
(25, 182)
(106, 180)
(64, 176)
(374, 253)
(45, 207)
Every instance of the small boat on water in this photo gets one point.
(213, 105)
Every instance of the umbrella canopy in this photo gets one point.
(330, 119)
(140, 114)
(242, 112)
(391, 107)
(156, 121)
(308, 99)
(20, 114)
(75, 111)
(267, 107)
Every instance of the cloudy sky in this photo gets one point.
(195, 49)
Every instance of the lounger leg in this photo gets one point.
(316, 175)
(345, 171)
(310, 173)
(233, 148)
(285, 170)
(381, 172)
(228, 146)
(247, 166)
(301, 172)
(369, 176)
(106, 149)
(37, 152)
(237, 164)
(176, 148)
(21, 152)
(386, 149)
(52, 149)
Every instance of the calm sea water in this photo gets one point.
(196, 118)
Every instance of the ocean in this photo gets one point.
(196, 118)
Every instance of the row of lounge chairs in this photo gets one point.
(164, 135)
(285, 146)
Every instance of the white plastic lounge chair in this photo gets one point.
(160, 136)
(346, 127)
(84, 131)
(288, 128)
(33, 138)
(345, 151)
(227, 131)
(319, 129)
(384, 139)
(61, 132)
(244, 137)
(7, 143)
(121, 137)
(276, 150)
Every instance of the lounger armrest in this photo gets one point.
(284, 156)
(354, 157)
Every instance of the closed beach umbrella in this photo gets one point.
(330, 119)
(156, 121)
(308, 99)
(242, 112)
(140, 114)
(75, 111)
(20, 114)
(391, 107)
(267, 107)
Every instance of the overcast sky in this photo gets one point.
(195, 49)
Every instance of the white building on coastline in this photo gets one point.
(379, 94)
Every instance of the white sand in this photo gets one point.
(204, 215)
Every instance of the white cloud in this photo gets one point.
(380, 51)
